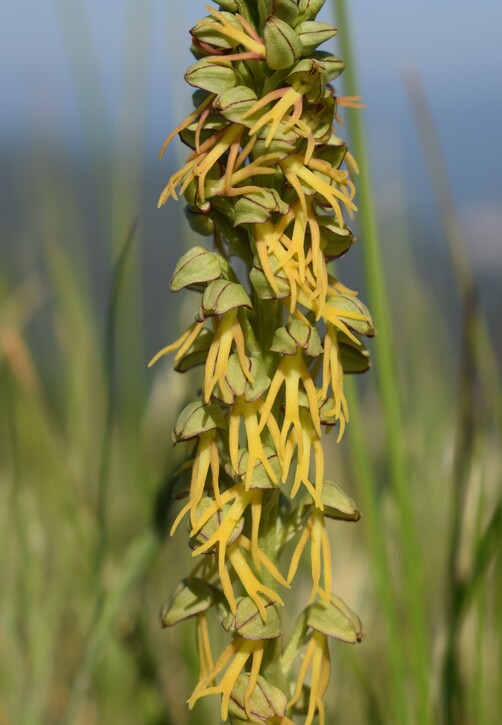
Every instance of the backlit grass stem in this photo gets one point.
(386, 375)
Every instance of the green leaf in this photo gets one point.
(282, 45)
(191, 597)
(197, 418)
(229, 5)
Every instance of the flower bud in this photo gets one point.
(286, 10)
(187, 135)
(282, 45)
(284, 142)
(312, 34)
(310, 8)
(199, 223)
(191, 195)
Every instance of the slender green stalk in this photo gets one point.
(386, 375)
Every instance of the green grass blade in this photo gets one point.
(386, 376)
(110, 339)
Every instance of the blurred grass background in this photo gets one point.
(85, 452)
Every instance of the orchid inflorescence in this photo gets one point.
(268, 178)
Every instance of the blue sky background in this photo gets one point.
(114, 68)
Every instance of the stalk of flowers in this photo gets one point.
(268, 178)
